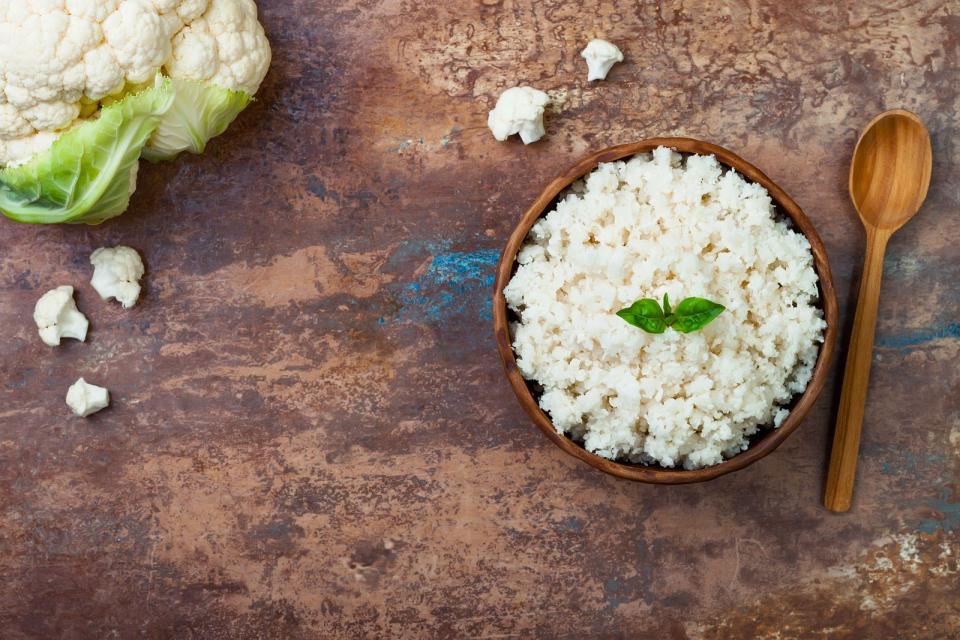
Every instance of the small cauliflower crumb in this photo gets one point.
(85, 399)
(519, 110)
(116, 274)
(600, 56)
(780, 417)
(661, 223)
(57, 317)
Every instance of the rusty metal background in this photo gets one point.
(310, 434)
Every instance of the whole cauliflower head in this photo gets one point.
(62, 60)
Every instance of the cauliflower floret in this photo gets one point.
(41, 62)
(57, 317)
(19, 150)
(84, 398)
(12, 122)
(51, 116)
(104, 75)
(46, 68)
(139, 39)
(177, 13)
(225, 46)
(519, 110)
(96, 10)
(600, 56)
(116, 274)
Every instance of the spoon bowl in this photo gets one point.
(890, 172)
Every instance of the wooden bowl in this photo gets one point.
(761, 443)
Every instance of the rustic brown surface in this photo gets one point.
(311, 435)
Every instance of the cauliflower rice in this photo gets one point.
(661, 223)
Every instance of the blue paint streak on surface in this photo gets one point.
(914, 338)
(950, 512)
(456, 283)
(946, 513)
(911, 463)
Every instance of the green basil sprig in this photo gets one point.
(690, 315)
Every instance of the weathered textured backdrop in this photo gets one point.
(310, 433)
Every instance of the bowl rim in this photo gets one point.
(772, 438)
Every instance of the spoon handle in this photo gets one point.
(856, 376)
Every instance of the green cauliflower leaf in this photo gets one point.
(199, 112)
(89, 173)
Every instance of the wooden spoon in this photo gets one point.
(889, 177)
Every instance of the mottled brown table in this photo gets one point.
(310, 434)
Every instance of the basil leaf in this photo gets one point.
(695, 313)
(645, 314)
(666, 305)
